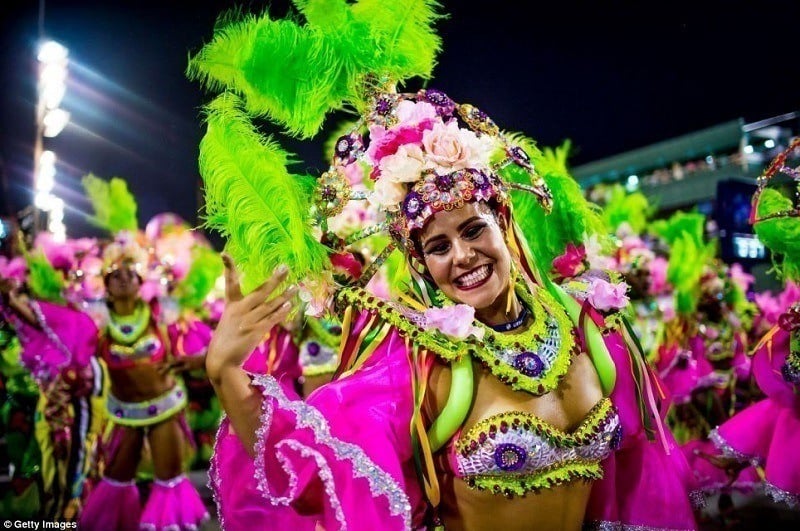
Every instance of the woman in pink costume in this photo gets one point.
(485, 396)
(58, 346)
(767, 433)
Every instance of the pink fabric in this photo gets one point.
(284, 365)
(684, 376)
(111, 506)
(174, 504)
(342, 458)
(189, 337)
(65, 338)
(641, 470)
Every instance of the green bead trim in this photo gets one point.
(139, 320)
(581, 436)
(511, 485)
(542, 306)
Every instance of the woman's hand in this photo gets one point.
(246, 319)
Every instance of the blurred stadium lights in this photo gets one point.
(50, 121)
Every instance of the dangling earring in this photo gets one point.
(512, 283)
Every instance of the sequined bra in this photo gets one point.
(149, 348)
(515, 453)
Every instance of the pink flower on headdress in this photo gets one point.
(604, 295)
(658, 275)
(415, 112)
(386, 142)
(570, 263)
(451, 148)
(740, 277)
(60, 255)
(454, 321)
(151, 289)
(354, 173)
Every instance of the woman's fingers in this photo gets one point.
(262, 293)
(233, 291)
(266, 308)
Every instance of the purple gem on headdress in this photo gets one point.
(529, 364)
(444, 105)
(347, 149)
(520, 157)
(481, 180)
(412, 204)
(313, 348)
(383, 106)
(510, 457)
(444, 182)
(152, 410)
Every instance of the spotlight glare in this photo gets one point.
(769, 143)
(51, 51)
(54, 122)
(748, 149)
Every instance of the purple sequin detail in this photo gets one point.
(313, 348)
(152, 410)
(616, 439)
(126, 329)
(790, 374)
(510, 457)
(444, 182)
(529, 364)
(347, 148)
(412, 204)
(119, 413)
(444, 105)
(480, 180)
(383, 107)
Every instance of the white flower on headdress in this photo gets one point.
(388, 194)
(405, 166)
(349, 220)
(451, 148)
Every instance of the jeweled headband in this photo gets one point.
(780, 165)
(426, 154)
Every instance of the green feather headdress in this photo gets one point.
(781, 233)
(688, 255)
(332, 55)
(573, 218)
(206, 268)
(631, 208)
(113, 204)
(45, 281)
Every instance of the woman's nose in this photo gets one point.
(463, 253)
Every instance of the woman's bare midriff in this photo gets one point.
(139, 383)
(557, 508)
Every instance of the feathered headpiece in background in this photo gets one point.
(113, 205)
(775, 211)
(631, 208)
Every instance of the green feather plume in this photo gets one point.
(780, 234)
(294, 73)
(45, 281)
(573, 217)
(206, 268)
(253, 200)
(633, 208)
(113, 204)
(688, 254)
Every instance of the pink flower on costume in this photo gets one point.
(570, 263)
(658, 276)
(454, 321)
(604, 295)
(740, 277)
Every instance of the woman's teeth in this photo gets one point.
(474, 277)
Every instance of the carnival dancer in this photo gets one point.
(485, 371)
(767, 433)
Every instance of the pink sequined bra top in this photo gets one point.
(514, 453)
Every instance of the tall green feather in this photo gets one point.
(623, 207)
(113, 204)
(206, 268)
(295, 72)
(573, 217)
(252, 199)
(45, 281)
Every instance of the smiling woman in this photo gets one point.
(481, 395)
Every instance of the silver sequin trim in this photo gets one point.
(619, 526)
(380, 482)
(214, 481)
(324, 472)
(729, 451)
(781, 496)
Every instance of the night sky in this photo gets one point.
(610, 76)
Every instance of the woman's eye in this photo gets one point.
(437, 249)
(474, 231)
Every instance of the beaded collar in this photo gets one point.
(534, 361)
(126, 329)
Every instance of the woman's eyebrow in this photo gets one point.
(459, 228)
